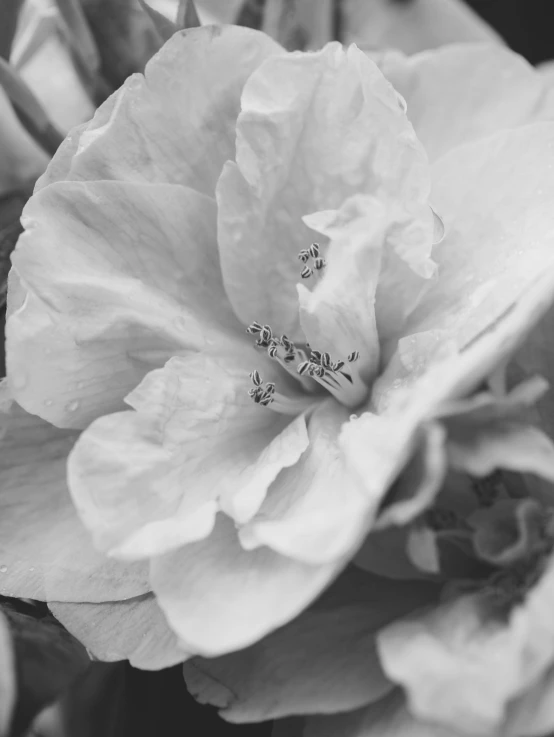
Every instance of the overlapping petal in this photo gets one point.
(191, 91)
(150, 480)
(462, 665)
(262, 590)
(484, 198)
(315, 511)
(339, 130)
(322, 662)
(45, 552)
(476, 89)
(133, 630)
(135, 282)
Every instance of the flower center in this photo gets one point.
(311, 369)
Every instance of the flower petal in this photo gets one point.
(148, 133)
(532, 713)
(314, 512)
(462, 666)
(134, 630)
(322, 662)
(302, 149)
(45, 552)
(148, 481)
(112, 271)
(499, 230)
(476, 89)
(261, 590)
(389, 717)
(338, 314)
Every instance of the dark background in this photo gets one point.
(526, 25)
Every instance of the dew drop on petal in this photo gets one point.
(72, 406)
(48, 402)
(3, 569)
(180, 323)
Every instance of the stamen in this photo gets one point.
(267, 396)
(347, 387)
(319, 263)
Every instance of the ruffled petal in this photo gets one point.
(45, 552)
(315, 511)
(148, 134)
(302, 149)
(338, 314)
(499, 230)
(134, 630)
(261, 590)
(462, 665)
(322, 662)
(389, 717)
(148, 481)
(476, 90)
(114, 277)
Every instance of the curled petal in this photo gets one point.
(45, 552)
(123, 139)
(322, 662)
(261, 590)
(305, 148)
(315, 511)
(150, 480)
(109, 273)
(479, 88)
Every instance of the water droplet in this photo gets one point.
(72, 406)
(181, 323)
(353, 417)
(19, 381)
(31, 569)
(48, 402)
(3, 569)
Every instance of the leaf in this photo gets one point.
(11, 206)
(7, 677)
(187, 15)
(29, 109)
(47, 659)
(252, 14)
(9, 13)
(163, 25)
(126, 36)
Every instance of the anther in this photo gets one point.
(319, 263)
(254, 328)
(256, 378)
(306, 272)
(304, 255)
(353, 356)
(313, 250)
